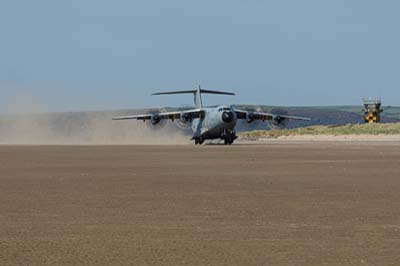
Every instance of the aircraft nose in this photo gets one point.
(227, 117)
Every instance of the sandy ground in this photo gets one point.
(335, 138)
(325, 203)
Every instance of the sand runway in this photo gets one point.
(272, 204)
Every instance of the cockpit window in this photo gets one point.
(224, 109)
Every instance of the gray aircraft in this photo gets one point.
(211, 122)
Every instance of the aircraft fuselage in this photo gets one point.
(216, 123)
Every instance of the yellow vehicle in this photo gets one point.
(372, 110)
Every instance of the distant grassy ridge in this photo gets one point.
(388, 111)
(350, 129)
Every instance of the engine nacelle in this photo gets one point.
(185, 118)
(250, 117)
(278, 122)
(155, 119)
(184, 122)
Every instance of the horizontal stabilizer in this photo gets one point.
(194, 92)
(216, 92)
(174, 92)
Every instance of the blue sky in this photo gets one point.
(94, 54)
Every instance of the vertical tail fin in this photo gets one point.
(198, 101)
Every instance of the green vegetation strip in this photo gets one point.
(351, 129)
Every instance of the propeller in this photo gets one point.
(256, 124)
(156, 122)
(250, 123)
(278, 122)
(185, 122)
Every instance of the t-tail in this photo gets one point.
(198, 102)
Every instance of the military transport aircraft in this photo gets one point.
(210, 122)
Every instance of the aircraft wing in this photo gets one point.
(251, 116)
(195, 113)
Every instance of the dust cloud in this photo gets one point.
(33, 126)
(94, 128)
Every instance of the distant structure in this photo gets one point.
(372, 110)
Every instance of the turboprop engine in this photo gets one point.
(278, 122)
(156, 122)
(250, 117)
(184, 122)
(155, 119)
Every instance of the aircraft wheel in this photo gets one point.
(198, 141)
(228, 140)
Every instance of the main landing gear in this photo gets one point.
(198, 141)
(229, 137)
